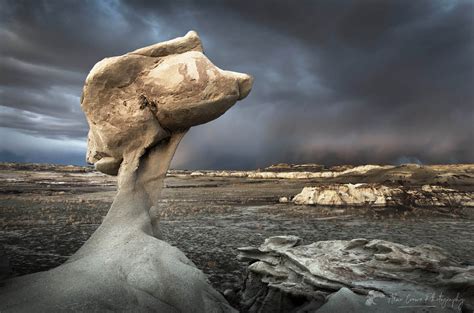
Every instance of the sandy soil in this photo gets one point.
(48, 212)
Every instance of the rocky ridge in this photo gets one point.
(433, 174)
(458, 174)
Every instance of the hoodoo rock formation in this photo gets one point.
(139, 106)
(136, 100)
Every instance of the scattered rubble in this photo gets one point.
(283, 200)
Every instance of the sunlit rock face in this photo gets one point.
(135, 100)
(348, 194)
(373, 195)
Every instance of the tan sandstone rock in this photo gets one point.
(139, 106)
(135, 100)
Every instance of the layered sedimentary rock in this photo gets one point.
(452, 174)
(139, 106)
(358, 275)
(381, 195)
(347, 194)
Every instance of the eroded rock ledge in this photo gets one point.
(381, 195)
(358, 275)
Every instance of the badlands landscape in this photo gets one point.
(49, 211)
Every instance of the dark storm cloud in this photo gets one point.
(335, 81)
(42, 125)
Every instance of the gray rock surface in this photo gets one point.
(4, 264)
(356, 275)
(139, 107)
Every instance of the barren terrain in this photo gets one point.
(47, 212)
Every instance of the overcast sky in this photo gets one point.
(336, 82)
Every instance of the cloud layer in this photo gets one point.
(335, 81)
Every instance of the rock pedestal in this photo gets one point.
(139, 106)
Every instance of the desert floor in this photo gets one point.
(48, 212)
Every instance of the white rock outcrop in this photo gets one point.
(359, 170)
(383, 196)
(347, 195)
(413, 173)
